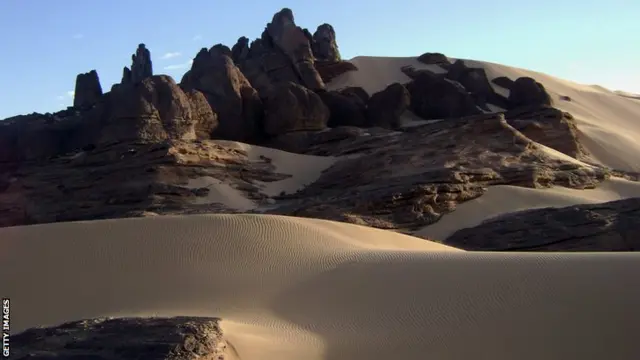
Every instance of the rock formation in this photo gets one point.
(476, 82)
(385, 107)
(434, 97)
(325, 47)
(525, 91)
(291, 107)
(344, 110)
(141, 66)
(229, 93)
(179, 338)
(88, 90)
(434, 59)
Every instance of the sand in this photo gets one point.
(292, 288)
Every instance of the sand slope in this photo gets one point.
(291, 288)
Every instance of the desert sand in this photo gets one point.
(293, 288)
(290, 288)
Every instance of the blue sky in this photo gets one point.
(44, 44)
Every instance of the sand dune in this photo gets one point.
(294, 288)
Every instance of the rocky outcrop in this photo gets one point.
(154, 110)
(344, 110)
(384, 108)
(240, 51)
(503, 81)
(525, 91)
(330, 70)
(476, 82)
(325, 47)
(178, 338)
(610, 226)
(434, 97)
(229, 93)
(291, 107)
(406, 180)
(291, 40)
(87, 91)
(141, 67)
(550, 127)
(356, 92)
(434, 59)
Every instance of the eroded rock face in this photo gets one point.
(525, 91)
(88, 90)
(291, 107)
(141, 67)
(610, 226)
(434, 59)
(179, 338)
(325, 47)
(384, 108)
(155, 109)
(434, 97)
(235, 101)
(476, 82)
(330, 70)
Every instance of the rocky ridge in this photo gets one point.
(145, 141)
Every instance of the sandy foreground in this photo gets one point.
(292, 288)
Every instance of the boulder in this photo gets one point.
(356, 92)
(330, 70)
(503, 81)
(476, 82)
(88, 90)
(141, 67)
(291, 107)
(344, 110)
(384, 108)
(528, 92)
(434, 97)
(153, 110)
(325, 47)
(229, 93)
(434, 59)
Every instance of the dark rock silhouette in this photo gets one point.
(434, 59)
(141, 66)
(525, 91)
(434, 97)
(88, 90)
(344, 110)
(325, 47)
(291, 107)
(477, 83)
(384, 108)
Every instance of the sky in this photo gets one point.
(44, 44)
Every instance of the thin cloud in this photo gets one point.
(171, 55)
(78, 36)
(179, 66)
(197, 37)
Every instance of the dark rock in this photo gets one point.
(330, 70)
(610, 226)
(528, 92)
(154, 110)
(433, 97)
(88, 90)
(434, 59)
(345, 110)
(240, 51)
(220, 49)
(325, 47)
(565, 98)
(503, 81)
(356, 92)
(291, 107)
(229, 93)
(141, 67)
(476, 82)
(179, 338)
(289, 38)
(384, 108)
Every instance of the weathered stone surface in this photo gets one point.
(476, 82)
(384, 108)
(141, 66)
(503, 81)
(610, 226)
(356, 92)
(404, 181)
(291, 107)
(325, 47)
(229, 93)
(525, 91)
(433, 97)
(240, 51)
(550, 127)
(344, 110)
(88, 90)
(154, 110)
(434, 59)
(289, 38)
(178, 338)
